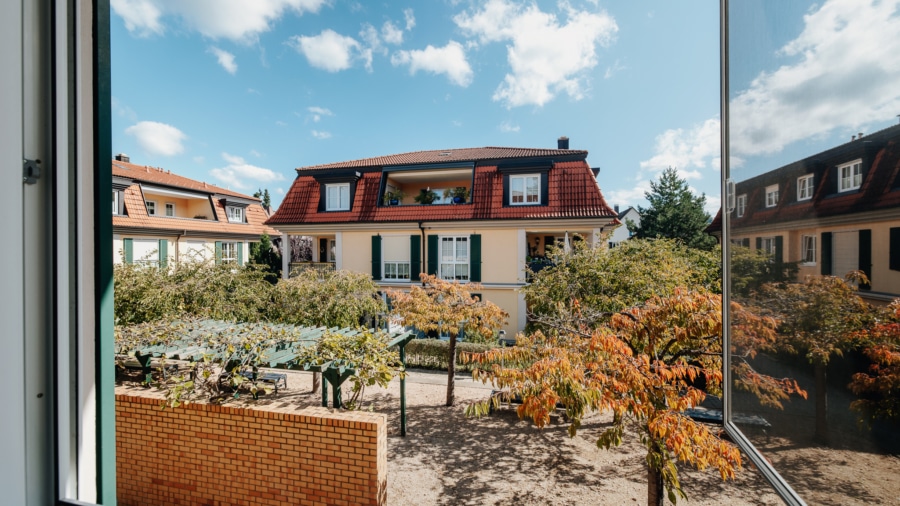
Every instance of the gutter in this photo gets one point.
(424, 260)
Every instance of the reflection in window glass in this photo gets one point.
(827, 431)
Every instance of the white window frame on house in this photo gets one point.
(151, 207)
(529, 196)
(808, 250)
(741, 206)
(805, 187)
(170, 210)
(235, 214)
(229, 252)
(772, 195)
(768, 245)
(115, 202)
(341, 192)
(850, 175)
(457, 260)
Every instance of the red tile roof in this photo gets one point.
(880, 188)
(136, 216)
(572, 193)
(448, 156)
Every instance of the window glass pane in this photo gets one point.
(533, 189)
(825, 421)
(516, 190)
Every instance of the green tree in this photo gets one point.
(675, 212)
(263, 195)
(265, 254)
(330, 299)
(443, 306)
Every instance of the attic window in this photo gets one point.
(235, 214)
(446, 153)
(850, 176)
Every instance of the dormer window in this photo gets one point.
(151, 207)
(235, 214)
(741, 205)
(115, 201)
(805, 187)
(337, 197)
(524, 189)
(850, 176)
(772, 195)
(170, 210)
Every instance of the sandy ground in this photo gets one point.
(450, 459)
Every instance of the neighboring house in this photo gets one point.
(160, 217)
(834, 212)
(512, 203)
(623, 233)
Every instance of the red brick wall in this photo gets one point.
(202, 454)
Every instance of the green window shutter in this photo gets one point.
(376, 257)
(759, 243)
(865, 257)
(779, 249)
(240, 253)
(218, 252)
(128, 250)
(894, 253)
(826, 254)
(415, 257)
(433, 254)
(475, 258)
(163, 252)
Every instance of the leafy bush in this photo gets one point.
(433, 353)
(331, 299)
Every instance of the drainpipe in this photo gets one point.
(424, 260)
(178, 245)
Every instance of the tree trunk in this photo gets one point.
(451, 369)
(821, 404)
(655, 493)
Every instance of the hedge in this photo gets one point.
(432, 353)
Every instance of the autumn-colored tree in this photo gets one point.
(447, 307)
(879, 387)
(818, 318)
(644, 366)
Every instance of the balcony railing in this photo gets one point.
(321, 267)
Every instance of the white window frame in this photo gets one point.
(741, 206)
(772, 195)
(229, 252)
(850, 176)
(453, 261)
(805, 187)
(151, 207)
(391, 268)
(528, 199)
(235, 214)
(343, 191)
(808, 250)
(768, 245)
(170, 206)
(115, 201)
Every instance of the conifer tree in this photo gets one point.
(675, 212)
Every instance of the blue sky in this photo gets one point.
(240, 93)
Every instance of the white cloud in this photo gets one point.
(713, 203)
(157, 138)
(199, 160)
(456, 123)
(236, 20)
(698, 147)
(328, 51)
(281, 123)
(317, 113)
(321, 135)
(449, 60)
(122, 109)
(253, 91)
(628, 197)
(546, 57)
(613, 69)
(506, 126)
(841, 72)
(256, 153)
(279, 191)
(239, 174)
(391, 34)
(409, 18)
(226, 59)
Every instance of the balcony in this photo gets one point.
(427, 187)
(320, 267)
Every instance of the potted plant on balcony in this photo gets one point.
(426, 196)
(393, 198)
(457, 195)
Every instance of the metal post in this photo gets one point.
(403, 391)
(324, 391)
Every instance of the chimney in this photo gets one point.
(562, 142)
(852, 137)
(122, 157)
(616, 207)
(859, 135)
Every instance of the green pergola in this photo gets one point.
(277, 353)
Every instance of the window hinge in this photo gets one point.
(31, 171)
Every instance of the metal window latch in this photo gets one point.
(31, 171)
(729, 195)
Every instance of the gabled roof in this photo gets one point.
(572, 193)
(449, 156)
(880, 188)
(136, 216)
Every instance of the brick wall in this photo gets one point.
(202, 454)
